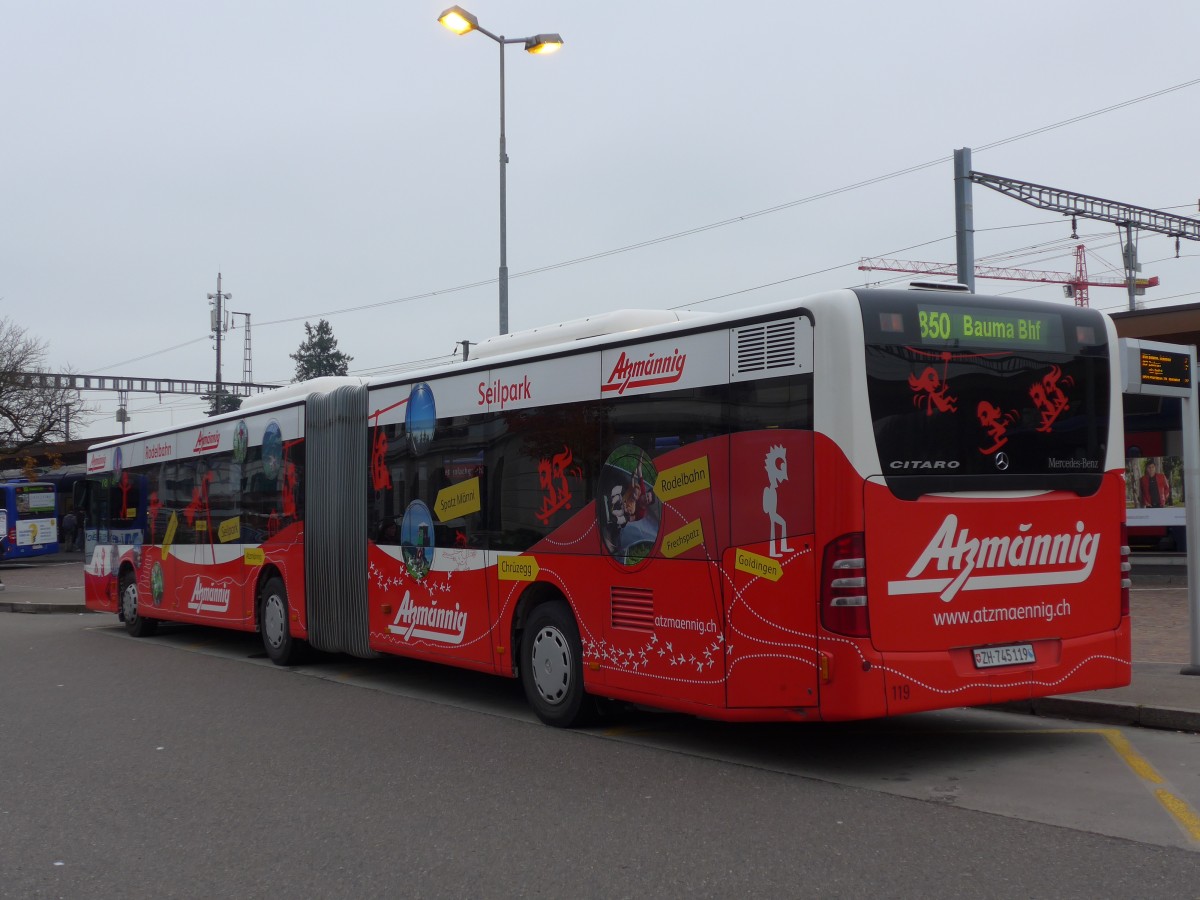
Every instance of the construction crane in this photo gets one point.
(1076, 285)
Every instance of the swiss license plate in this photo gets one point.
(1012, 655)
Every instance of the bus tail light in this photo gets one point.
(844, 586)
(1126, 570)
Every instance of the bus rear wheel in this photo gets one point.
(281, 647)
(136, 625)
(552, 667)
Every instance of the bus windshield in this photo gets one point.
(979, 398)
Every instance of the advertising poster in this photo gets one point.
(1154, 490)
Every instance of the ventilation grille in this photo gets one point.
(765, 349)
(633, 608)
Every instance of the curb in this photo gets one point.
(1108, 712)
(29, 607)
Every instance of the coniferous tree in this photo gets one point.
(318, 354)
(222, 402)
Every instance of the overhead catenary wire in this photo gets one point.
(744, 217)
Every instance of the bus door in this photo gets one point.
(770, 644)
(222, 588)
(127, 533)
(209, 571)
(180, 525)
(431, 594)
(656, 588)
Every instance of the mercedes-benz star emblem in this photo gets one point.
(1002, 461)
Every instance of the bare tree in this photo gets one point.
(31, 414)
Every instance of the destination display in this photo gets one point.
(958, 326)
(1166, 369)
(1149, 367)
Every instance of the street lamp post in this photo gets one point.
(460, 21)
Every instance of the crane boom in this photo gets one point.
(1079, 281)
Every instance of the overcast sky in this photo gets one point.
(340, 161)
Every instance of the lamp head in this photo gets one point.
(543, 43)
(458, 20)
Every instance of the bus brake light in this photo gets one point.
(1126, 570)
(844, 586)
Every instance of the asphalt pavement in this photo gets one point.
(1158, 696)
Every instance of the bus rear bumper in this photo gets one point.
(939, 680)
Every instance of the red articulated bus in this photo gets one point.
(860, 504)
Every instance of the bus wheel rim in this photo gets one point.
(273, 620)
(550, 663)
(129, 602)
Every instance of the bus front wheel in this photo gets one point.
(552, 667)
(136, 625)
(281, 647)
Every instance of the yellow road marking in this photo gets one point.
(1184, 814)
(1132, 758)
(1180, 811)
(1178, 808)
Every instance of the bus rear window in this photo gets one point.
(967, 396)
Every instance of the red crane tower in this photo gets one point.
(1076, 285)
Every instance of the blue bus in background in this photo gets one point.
(28, 519)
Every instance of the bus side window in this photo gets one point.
(659, 423)
(123, 499)
(224, 499)
(180, 479)
(257, 494)
(97, 510)
(771, 403)
(291, 481)
(386, 488)
(456, 458)
(542, 465)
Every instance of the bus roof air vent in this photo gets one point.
(951, 287)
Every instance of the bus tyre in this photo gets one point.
(552, 667)
(281, 647)
(138, 626)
